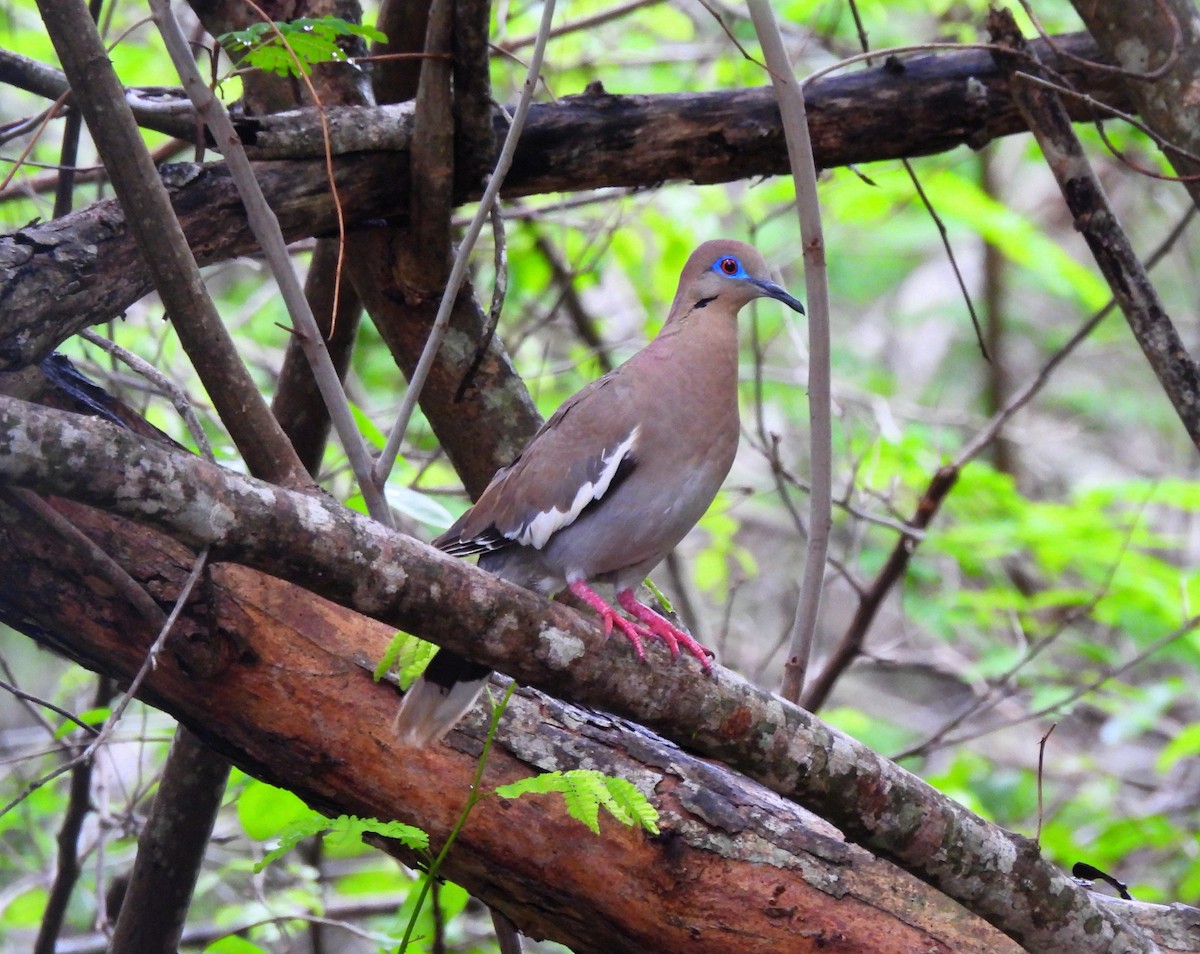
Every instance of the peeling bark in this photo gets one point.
(345, 557)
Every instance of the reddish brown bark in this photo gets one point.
(342, 555)
(277, 680)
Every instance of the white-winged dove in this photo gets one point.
(614, 479)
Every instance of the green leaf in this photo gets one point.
(585, 791)
(265, 810)
(408, 654)
(343, 826)
(632, 803)
(233, 944)
(1185, 744)
(292, 48)
(92, 717)
(26, 909)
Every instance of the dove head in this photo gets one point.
(728, 274)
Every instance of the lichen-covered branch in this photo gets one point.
(346, 558)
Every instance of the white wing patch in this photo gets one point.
(542, 527)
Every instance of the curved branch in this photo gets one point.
(345, 557)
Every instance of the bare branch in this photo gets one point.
(163, 244)
(1095, 219)
(459, 271)
(350, 559)
(266, 230)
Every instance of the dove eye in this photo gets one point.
(730, 266)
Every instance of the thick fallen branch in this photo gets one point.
(346, 558)
(277, 680)
(60, 276)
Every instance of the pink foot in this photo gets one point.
(611, 618)
(649, 626)
(661, 627)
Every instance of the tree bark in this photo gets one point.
(61, 276)
(1097, 222)
(340, 555)
(276, 679)
(1159, 45)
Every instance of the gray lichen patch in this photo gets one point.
(561, 648)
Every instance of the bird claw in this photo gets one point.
(610, 617)
(648, 625)
(631, 631)
(654, 625)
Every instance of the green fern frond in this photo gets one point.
(585, 791)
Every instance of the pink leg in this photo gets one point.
(649, 624)
(611, 617)
(661, 627)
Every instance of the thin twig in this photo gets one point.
(1147, 76)
(41, 123)
(1075, 695)
(1165, 144)
(118, 711)
(265, 226)
(804, 173)
(326, 144)
(1043, 111)
(101, 562)
(79, 804)
(992, 697)
(1037, 838)
(33, 702)
(850, 646)
(177, 395)
(584, 23)
(499, 290)
(933, 214)
(160, 237)
(1031, 387)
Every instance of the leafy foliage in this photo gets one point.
(343, 828)
(408, 655)
(585, 792)
(294, 48)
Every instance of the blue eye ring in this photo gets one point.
(729, 266)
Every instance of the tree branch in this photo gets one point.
(1097, 222)
(60, 276)
(351, 560)
(164, 247)
(278, 680)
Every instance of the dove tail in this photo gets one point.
(439, 698)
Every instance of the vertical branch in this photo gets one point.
(266, 230)
(78, 805)
(1158, 46)
(162, 243)
(804, 172)
(998, 384)
(1096, 221)
(297, 404)
(850, 645)
(169, 853)
(458, 273)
